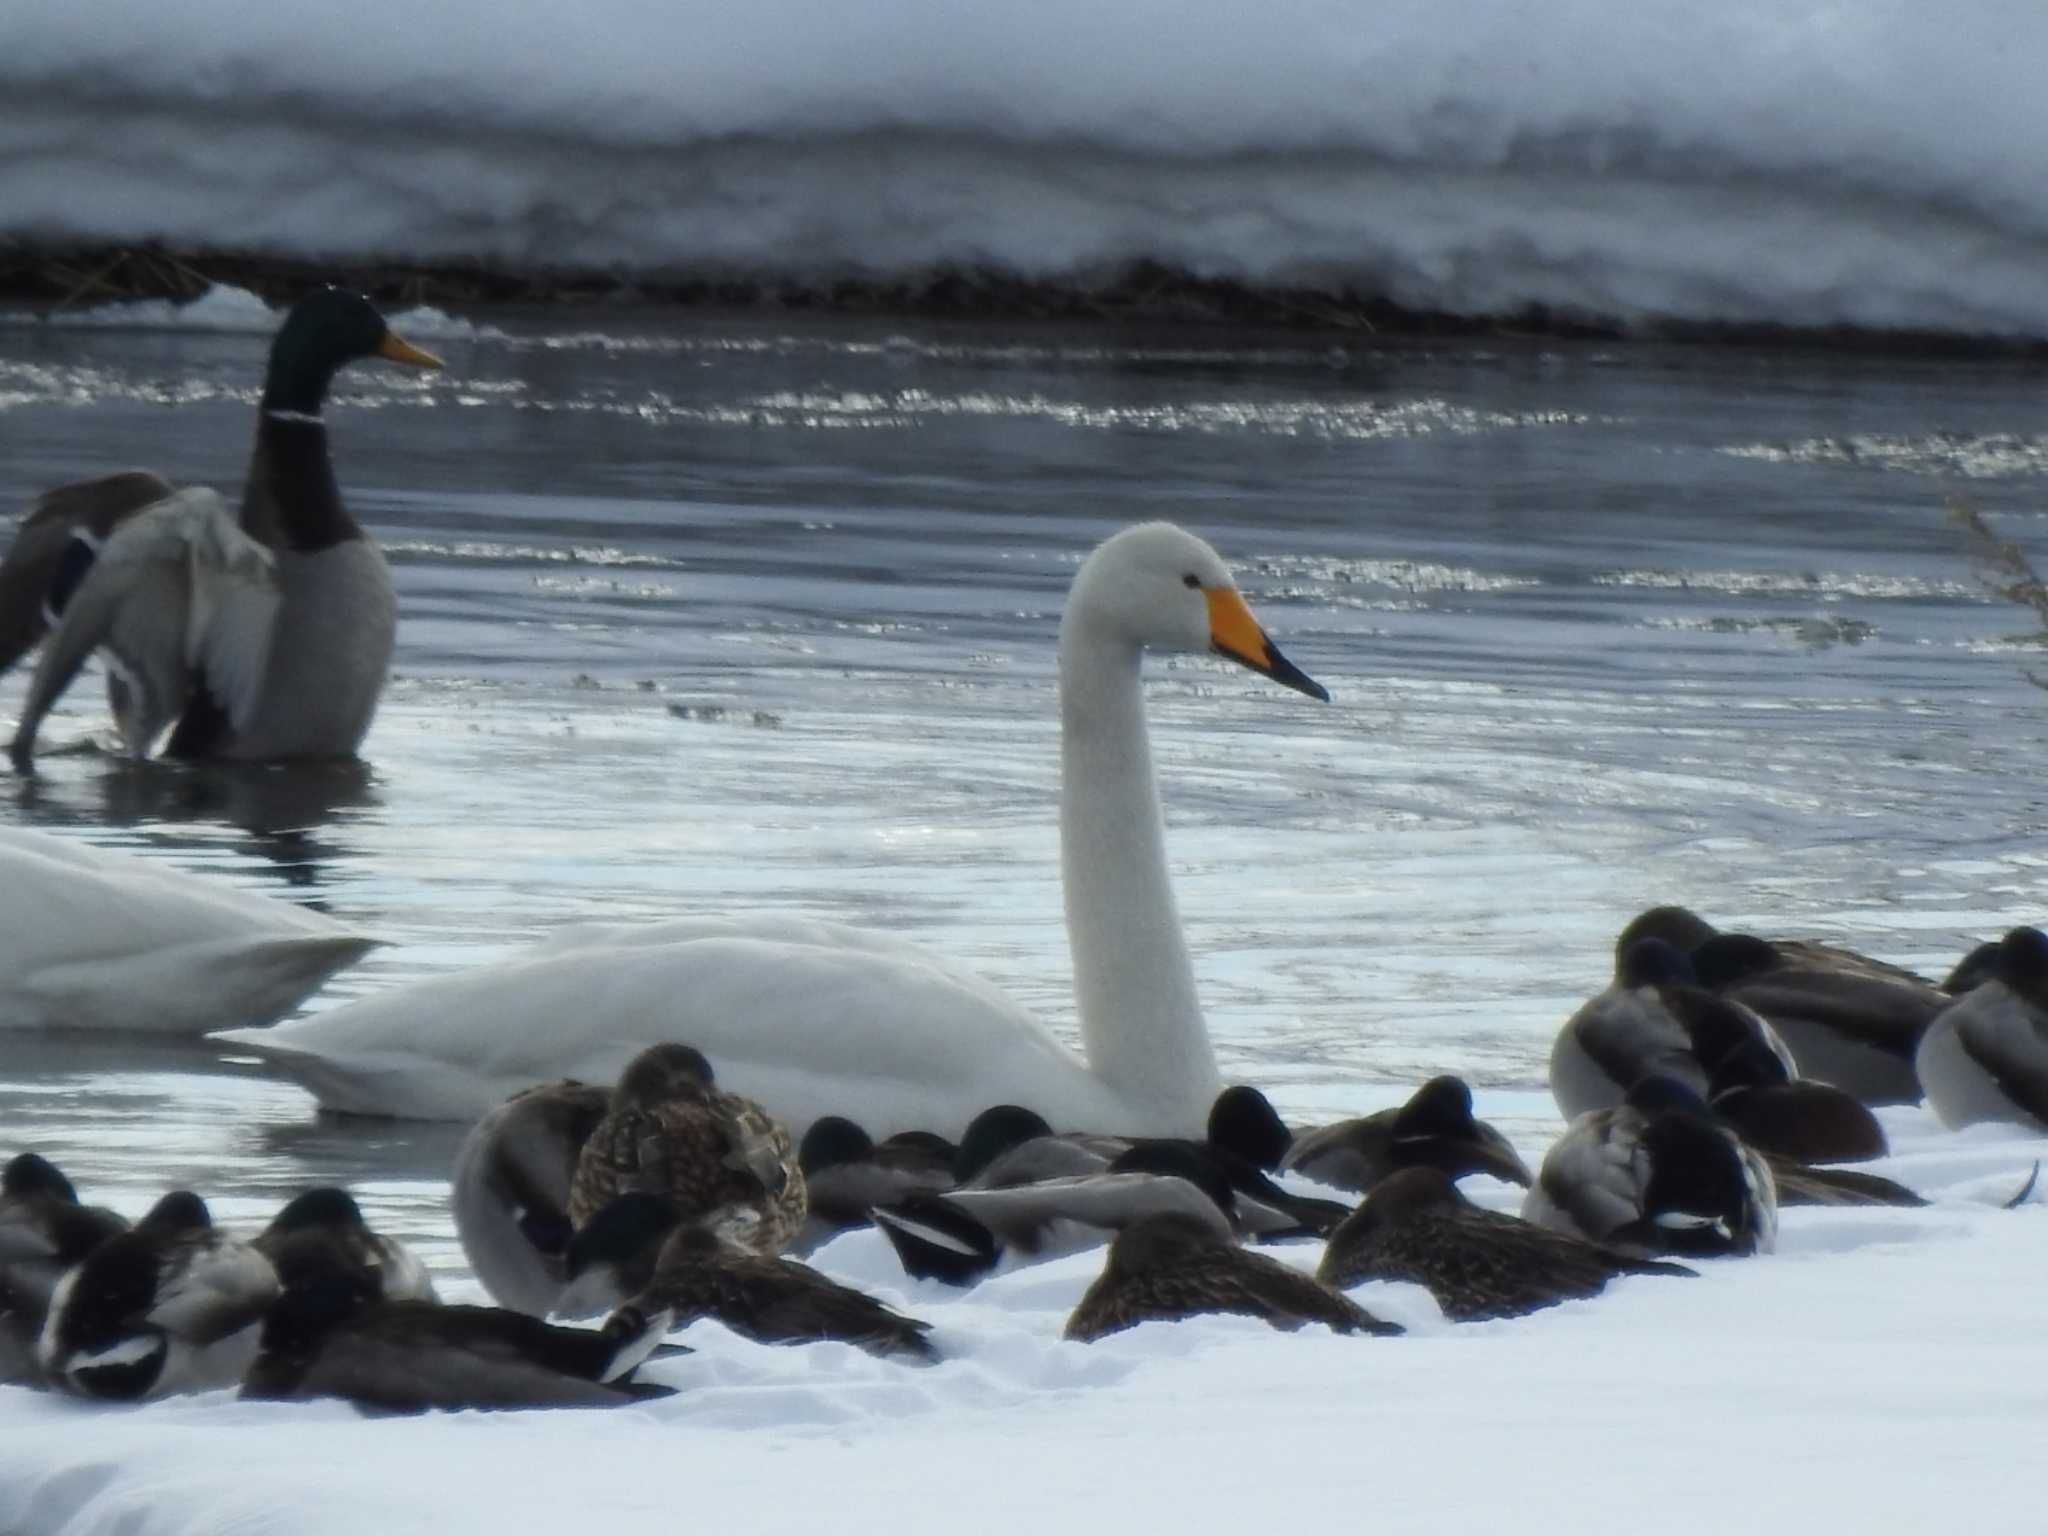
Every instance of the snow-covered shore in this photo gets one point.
(1810, 164)
(1883, 1371)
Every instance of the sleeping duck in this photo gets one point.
(330, 1219)
(1790, 1117)
(1477, 1263)
(44, 1230)
(172, 1305)
(638, 1246)
(1434, 1129)
(1171, 1266)
(1008, 1146)
(1657, 1174)
(847, 1173)
(1654, 1019)
(510, 1191)
(330, 1335)
(719, 1158)
(1848, 1020)
(290, 667)
(1985, 1056)
(962, 1236)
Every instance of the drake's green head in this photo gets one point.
(325, 331)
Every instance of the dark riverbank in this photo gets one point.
(72, 277)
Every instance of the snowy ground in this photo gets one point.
(1795, 161)
(1884, 1371)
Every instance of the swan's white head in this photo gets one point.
(1158, 587)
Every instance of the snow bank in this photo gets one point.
(223, 310)
(1885, 1370)
(1795, 161)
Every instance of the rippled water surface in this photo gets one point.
(707, 616)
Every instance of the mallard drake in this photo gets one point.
(962, 1236)
(811, 1018)
(847, 1174)
(1171, 1266)
(1847, 1019)
(1657, 1174)
(1416, 1226)
(172, 1305)
(44, 1230)
(1654, 1019)
(510, 1191)
(1007, 1147)
(718, 1157)
(1007, 1144)
(296, 674)
(1434, 1129)
(331, 1218)
(329, 1335)
(1985, 1056)
(696, 1273)
(95, 939)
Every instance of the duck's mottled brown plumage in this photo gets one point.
(771, 1300)
(1168, 1267)
(721, 1159)
(1477, 1263)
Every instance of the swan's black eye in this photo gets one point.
(1191, 581)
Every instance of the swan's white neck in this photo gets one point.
(1133, 981)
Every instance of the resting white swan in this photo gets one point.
(813, 1018)
(93, 939)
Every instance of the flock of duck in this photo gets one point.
(667, 1117)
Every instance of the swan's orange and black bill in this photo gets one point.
(1233, 632)
(397, 349)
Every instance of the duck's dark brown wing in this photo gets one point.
(1799, 1184)
(97, 506)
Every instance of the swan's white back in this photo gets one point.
(93, 939)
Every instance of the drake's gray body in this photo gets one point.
(1627, 1176)
(172, 1305)
(1648, 1022)
(510, 1191)
(1986, 1060)
(329, 655)
(1985, 1057)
